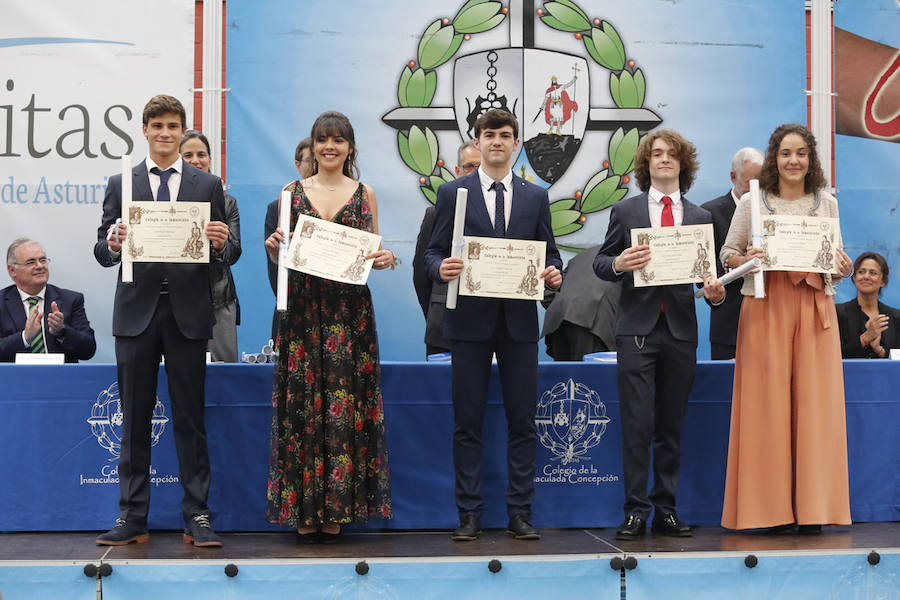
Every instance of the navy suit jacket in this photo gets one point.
(723, 319)
(474, 319)
(78, 341)
(639, 307)
(189, 284)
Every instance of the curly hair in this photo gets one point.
(768, 175)
(333, 123)
(684, 150)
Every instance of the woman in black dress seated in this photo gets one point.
(869, 329)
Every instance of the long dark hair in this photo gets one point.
(768, 175)
(333, 123)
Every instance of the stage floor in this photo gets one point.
(168, 545)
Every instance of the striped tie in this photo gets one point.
(37, 345)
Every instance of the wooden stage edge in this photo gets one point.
(419, 545)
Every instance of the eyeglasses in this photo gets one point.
(31, 262)
(468, 167)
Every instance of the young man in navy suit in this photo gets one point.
(656, 333)
(166, 311)
(723, 321)
(500, 204)
(36, 316)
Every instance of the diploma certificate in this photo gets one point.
(502, 268)
(800, 243)
(331, 251)
(172, 232)
(683, 254)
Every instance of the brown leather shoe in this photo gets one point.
(124, 533)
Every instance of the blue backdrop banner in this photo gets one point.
(410, 76)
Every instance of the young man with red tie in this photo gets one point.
(656, 333)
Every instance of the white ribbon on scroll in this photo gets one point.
(734, 274)
(127, 265)
(756, 236)
(456, 245)
(284, 222)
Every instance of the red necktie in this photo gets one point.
(668, 220)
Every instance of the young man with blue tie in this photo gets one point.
(500, 204)
(656, 333)
(166, 311)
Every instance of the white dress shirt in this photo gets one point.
(656, 205)
(174, 178)
(490, 196)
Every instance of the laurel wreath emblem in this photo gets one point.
(419, 148)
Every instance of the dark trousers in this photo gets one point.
(722, 351)
(655, 375)
(137, 360)
(517, 362)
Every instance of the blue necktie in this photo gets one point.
(162, 195)
(499, 210)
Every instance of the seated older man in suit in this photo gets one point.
(581, 316)
(38, 317)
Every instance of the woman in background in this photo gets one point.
(194, 149)
(787, 452)
(869, 329)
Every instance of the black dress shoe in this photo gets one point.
(330, 538)
(631, 528)
(311, 537)
(809, 529)
(468, 530)
(520, 528)
(198, 532)
(672, 526)
(123, 533)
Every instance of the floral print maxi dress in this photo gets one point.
(328, 460)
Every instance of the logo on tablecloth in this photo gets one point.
(106, 424)
(106, 420)
(571, 419)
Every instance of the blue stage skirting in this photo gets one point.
(778, 576)
(59, 437)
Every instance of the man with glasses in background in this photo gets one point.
(36, 317)
(433, 295)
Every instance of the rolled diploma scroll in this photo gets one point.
(734, 274)
(127, 265)
(456, 245)
(759, 287)
(284, 221)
